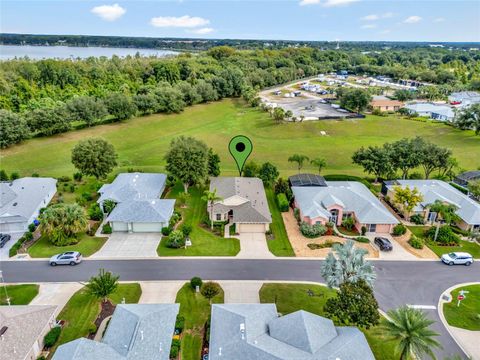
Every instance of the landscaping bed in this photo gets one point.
(87, 246)
(467, 315)
(424, 253)
(278, 242)
(18, 294)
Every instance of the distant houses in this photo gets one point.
(466, 177)
(464, 98)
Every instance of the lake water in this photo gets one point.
(67, 52)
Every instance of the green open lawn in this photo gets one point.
(204, 242)
(142, 142)
(464, 246)
(18, 294)
(280, 245)
(82, 309)
(196, 311)
(294, 297)
(87, 245)
(467, 315)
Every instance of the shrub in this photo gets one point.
(363, 230)
(72, 188)
(362, 239)
(166, 231)
(92, 329)
(296, 213)
(94, 212)
(106, 229)
(176, 217)
(446, 236)
(175, 348)
(399, 229)
(31, 227)
(77, 176)
(28, 236)
(52, 336)
(14, 176)
(92, 229)
(87, 196)
(415, 242)
(179, 324)
(348, 223)
(415, 176)
(326, 244)
(175, 240)
(108, 206)
(417, 219)
(210, 289)
(281, 186)
(312, 231)
(14, 249)
(282, 202)
(196, 281)
(186, 229)
(64, 179)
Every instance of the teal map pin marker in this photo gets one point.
(240, 147)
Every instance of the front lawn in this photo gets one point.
(196, 310)
(82, 309)
(18, 294)
(279, 245)
(465, 246)
(294, 297)
(467, 315)
(87, 245)
(204, 242)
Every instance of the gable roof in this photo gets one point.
(158, 210)
(352, 196)
(468, 209)
(133, 186)
(255, 207)
(255, 332)
(25, 324)
(469, 175)
(136, 331)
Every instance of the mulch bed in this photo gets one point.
(107, 309)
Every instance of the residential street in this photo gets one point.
(398, 283)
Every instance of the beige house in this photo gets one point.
(22, 329)
(243, 203)
(386, 105)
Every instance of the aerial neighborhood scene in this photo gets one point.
(240, 180)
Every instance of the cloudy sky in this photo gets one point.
(421, 20)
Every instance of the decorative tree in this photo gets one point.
(210, 197)
(213, 163)
(94, 157)
(210, 289)
(299, 159)
(407, 198)
(268, 173)
(102, 285)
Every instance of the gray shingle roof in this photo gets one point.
(468, 209)
(136, 332)
(159, 210)
(133, 186)
(253, 205)
(469, 175)
(353, 196)
(254, 331)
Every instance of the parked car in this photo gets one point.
(457, 258)
(383, 243)
(3, 239)
(66, 258)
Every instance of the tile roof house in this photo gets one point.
(338, 200)
(243, 203)
(467, 209)
(256, 332)
(22, 329)
(138, 204)
(135, 331)
(21, 201)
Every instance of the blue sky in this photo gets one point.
(397, 20)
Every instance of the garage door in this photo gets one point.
(119, 226)
(251, 228)
(147, 227)
(12, 227)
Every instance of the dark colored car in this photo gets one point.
(383, 243)
(3, 239)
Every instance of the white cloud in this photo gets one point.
(309, 2)
(412, 19)
(109, 12)
(185, 21)
(439, 19)
(369, 26)
(327, 3)
(202, 31)
(371, 17)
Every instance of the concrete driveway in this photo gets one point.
(159, 292)
(398, 252)
(129, 245)
(253, 246)
(6, 248)
(56, 294)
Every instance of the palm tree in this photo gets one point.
(319, 163)
(348, 265)
(410, 329)
(210, 197)
(103, 285)
(62, 222)
(299, 159)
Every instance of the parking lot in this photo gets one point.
(310, 108)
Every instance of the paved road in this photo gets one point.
(398, 283)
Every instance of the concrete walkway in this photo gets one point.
(159, 292)
(56, 294)
(125, 245)
(241, 292)
(253, 246)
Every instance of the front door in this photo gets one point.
(333, 216)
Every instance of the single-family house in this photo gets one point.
(466, 177)
(337, 200)
(21, 201)
(440, 112)
(464, 98)
(386, 105)
(22, 329)
(257, 332)
(243, 203)
(138, 205)
(135, 331)
(431, 190)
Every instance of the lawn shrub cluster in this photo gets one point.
(446, 236)
(106, 229)
(326, 244)
(282, 187)
(15, 247)
(416, 242)
(52, 336)
(282, 202)
(312, 231)
(95, 213)
(417, 219)
(196, 281)
(175, 240)
(362, 239)
(399, 230)
(179, 324)
(175, 348)
(348, 223)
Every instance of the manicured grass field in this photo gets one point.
(204, 243)
(467, 315)
(141, 143)
(196, 311)
(82, 309)
(280, 245)
(87, 246)
(294, 297)
(465, 246)
(18, 294)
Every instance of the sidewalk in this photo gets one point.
(55, 294)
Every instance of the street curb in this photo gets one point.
(442, 316)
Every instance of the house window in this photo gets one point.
(346, 216)
(432, 216)
(371, 227)
(318, 222)
(219, 217)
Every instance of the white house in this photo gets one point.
(440, 112)
(21, 201)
